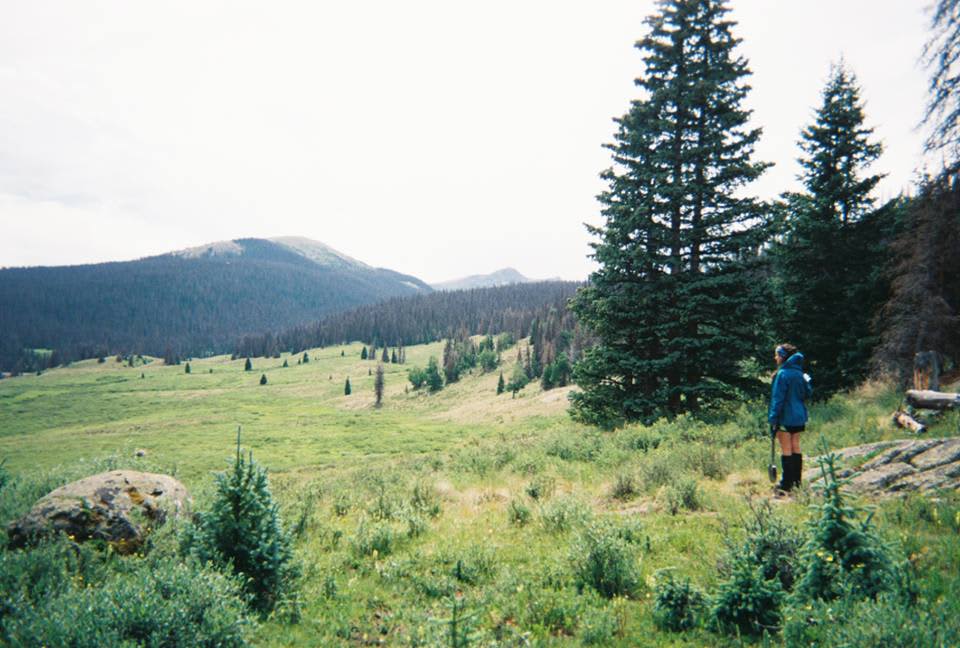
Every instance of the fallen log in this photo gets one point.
(927, 399)
(904, 420)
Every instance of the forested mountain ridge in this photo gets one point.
(190, 302)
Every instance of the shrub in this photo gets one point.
(555, 611)
(676, 603)
(605, 562)
(541, 487)
(341, 504)
(683, 494)
(887, 621)
(378, 537)
(708, 460)
(642, 439)
(842, 548)
(574, 447)
(657, 470)
(748, 603)
(416, 524)
(561, 514)
(168, 605)
(597, 627)
(624, 488)
(424, 498)
(242, 530)
(518, 513)
(769, 542)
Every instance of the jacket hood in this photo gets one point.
(793, 362)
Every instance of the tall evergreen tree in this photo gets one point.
(500, 384)
(248, 366)
(346, 387)
(942, 56)
(378, 383)
(675, 304)
(363, 353)
(385, 356)
(828, 259)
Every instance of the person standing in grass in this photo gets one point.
(788, 411)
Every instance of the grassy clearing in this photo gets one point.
(460, 504)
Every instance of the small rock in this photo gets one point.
(119, 507)
(139, 452)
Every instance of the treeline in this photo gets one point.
(698, 279)
(421, 319)
(174, 305)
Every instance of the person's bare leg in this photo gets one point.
(786, 443)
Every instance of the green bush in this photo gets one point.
(170, 604)
(518, 513)
(887, 621)
(541, 487)
(643, 439)
(379, 537)
(425, 499)
(683, 494)
(624, 487)
(574, 447)
(242, 531)
(605, 562)
(557, 612)
(843, 552)
(597, 626)
(748, 603)
(768, 542)
(677, 603)
(562, 514)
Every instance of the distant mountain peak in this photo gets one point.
(501, 277)
(316, 251)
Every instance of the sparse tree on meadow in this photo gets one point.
(385, 356)
(346, 387)
(393, 357)
(432, 375)
(378, 384)
(263, 379)
(186, 368)
(500, 384)
(285, 364)
(248, 366)
(363, 353)
(306, 357)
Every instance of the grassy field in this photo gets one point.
(460, 503)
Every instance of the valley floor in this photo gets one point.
(462, 503)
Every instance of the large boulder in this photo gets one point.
(119, 507)
(896, 466)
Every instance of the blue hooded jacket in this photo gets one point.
(790, 391)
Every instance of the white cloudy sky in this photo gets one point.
(436, 138)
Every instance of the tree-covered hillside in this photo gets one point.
(193, 302)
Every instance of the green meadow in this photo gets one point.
(464, 517)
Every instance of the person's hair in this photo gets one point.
(785, 350)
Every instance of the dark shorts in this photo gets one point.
(793, 429)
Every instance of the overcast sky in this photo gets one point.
(438, 138)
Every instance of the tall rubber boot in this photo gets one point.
(786, 469)
(797, 468)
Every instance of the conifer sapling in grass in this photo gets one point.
(500, 384)
(248, 366)
(363, 353)
(346, 387)
(186, 368)
(263, 379)
(242, 531)
(306, 357)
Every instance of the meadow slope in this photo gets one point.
(461, 502)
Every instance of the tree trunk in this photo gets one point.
(927, 399)
(926, 370)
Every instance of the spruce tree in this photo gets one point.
(675, 303)
(248, 366)
(263, 379)
(186, 368)
(363, 353)
(941, 54)
(243, 531)
(393, 356)
(432, 376)
(346, 387)
(285, 364)
(828, 260)
(378, 384)
(306, 357)
(500, 384)
(385, 356)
